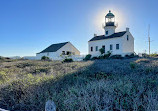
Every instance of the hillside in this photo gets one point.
(127, 84)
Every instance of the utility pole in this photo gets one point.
(149, 37)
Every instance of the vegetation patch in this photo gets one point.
(68, 60)
(100, 85)
(143, 60)
(88, 57)
(133, 65)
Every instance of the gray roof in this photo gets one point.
(54, 47)
(115, 35)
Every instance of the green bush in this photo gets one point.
(153, 55)
(88, 57)
(132, 65)
(45, 58)
(101, 57)
(94, 58)
(145, 55)
(3, 76)
(102, 51)
(116, 57)
(68, 60)
(130, 55)
(107, 55)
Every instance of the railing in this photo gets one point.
(110, 24)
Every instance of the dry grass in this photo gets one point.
(128, 84)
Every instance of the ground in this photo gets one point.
(114, 84)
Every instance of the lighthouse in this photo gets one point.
(110, 24)
(118, 43)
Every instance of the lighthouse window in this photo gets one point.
(127, 38)
(103, 48)
(63, 52)
(107, 32)
(96, 48)
(91, 49)
(117, 46)
(110, 46)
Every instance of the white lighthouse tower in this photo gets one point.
(110, 25)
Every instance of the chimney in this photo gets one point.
(95, 35)
(127, 29)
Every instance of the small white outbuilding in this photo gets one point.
(55, 51)
(118, 43)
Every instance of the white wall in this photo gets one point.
(125, 47)
(48, 54)
(110, 29)
(57, 55)
(68, 47)
(107, 43)
(128, 46)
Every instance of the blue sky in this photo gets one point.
(29, 26)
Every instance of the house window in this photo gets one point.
(107, 32)
(96, 48)
(91, 49)
(111, 47)
(63, 52)
(103, 48)
(68, 53)
(117, 46)
(127, 38)
(47, 53)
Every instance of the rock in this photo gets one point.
(3, 110)
(50, 106)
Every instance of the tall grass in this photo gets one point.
(128, 84)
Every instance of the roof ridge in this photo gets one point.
(114, 35)
(54, 47)
(60, 43)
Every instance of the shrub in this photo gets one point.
(25, 64)
(107, 55)
(130, 55)
(101, 57)
(153, 55)
(68, 60)
(132, 65)
(45, 58)
(116, 57)
(94, 58)
(102, 51)
(145, 55)
(3, 76)
(39, 70)
(88, 57)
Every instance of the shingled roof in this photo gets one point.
(115, 35)
(53, 47)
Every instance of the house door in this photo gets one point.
(103, 48)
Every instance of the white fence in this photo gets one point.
(30, 57)
(74, 57)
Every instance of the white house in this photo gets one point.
(119, 43)
(55, 51)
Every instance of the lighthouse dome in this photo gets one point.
(110, 15)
